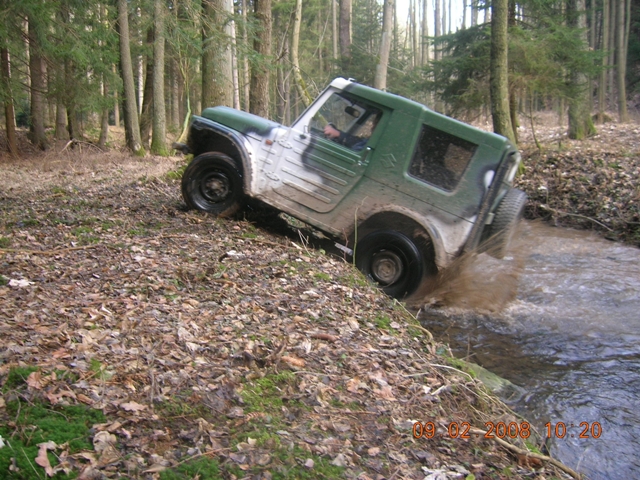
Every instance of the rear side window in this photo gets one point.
(441, 158)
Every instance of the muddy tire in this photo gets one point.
(508, 214)
(213, 183)
(392, 260)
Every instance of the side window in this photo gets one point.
(346, 121)
(441, 158)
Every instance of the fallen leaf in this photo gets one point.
(373, 451)
(132, 406)
(34, 380)
(293, 361)
(43, 459)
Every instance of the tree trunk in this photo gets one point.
(246, 71)
(104, 120)
(175, 95)
(345, 28)
(621, 66)
(443, 12)
(474, 14)
(131, 126)
(464, 14)
(385, 45)
(498, 68)
(62, 133)
(116, 103)
(612, 49)
(159, 135)
(235, 77)
(602, 87)
(513, 99)
(146, 110)
(217, 75)
(437, 28)
(259, 100)
(37, 74)
(580, 123)
(9, 111)
(334, 30)
(295, 62)
(425, 33)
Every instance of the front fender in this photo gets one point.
(208, 136)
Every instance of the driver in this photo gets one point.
(353, 142)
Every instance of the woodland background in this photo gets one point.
(71, 68)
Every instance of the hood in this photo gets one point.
(243, 122)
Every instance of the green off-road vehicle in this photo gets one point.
(402, 188)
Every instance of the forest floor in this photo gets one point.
(591, 184)
(142, 340)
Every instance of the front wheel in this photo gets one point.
(212, 183)
(392, 260)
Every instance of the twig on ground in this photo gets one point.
(566, 214)
(56, 251)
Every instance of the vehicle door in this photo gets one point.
(315, 171)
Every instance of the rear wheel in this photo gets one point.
(213, 183)
(508, 214)
(392, 260)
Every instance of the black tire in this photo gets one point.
(508, 214)
(213, 183)
(392, 260)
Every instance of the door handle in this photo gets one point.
(365, 157)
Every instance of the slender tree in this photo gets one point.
(602, 87)
(146, 109)
(621, 57)
(158, 139)
(217, 74)
(499, 69)
(580, 123)
(37, 75)
(131, 126)
(295, 61)
(345, 28)
(259, 95)
(385, 45)
(9, 112)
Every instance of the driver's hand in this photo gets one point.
(331, 132)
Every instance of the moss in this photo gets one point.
(35, 423)
(201, 468)
(17, 377)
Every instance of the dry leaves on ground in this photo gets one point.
(217, 339)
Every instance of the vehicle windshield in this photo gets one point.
(354, 119)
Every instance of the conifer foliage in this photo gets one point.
(70, 69)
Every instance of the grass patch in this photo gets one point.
(383, 322)
(34, 422)
(265, 394)
(201, 468)
(176, 407)
(5, 242)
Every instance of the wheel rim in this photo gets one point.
(386, 267)
(216, 187)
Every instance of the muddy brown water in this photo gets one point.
(559, 317)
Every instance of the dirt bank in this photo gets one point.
(212, 348)
(591, 184)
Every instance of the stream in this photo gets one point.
(561, 319)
